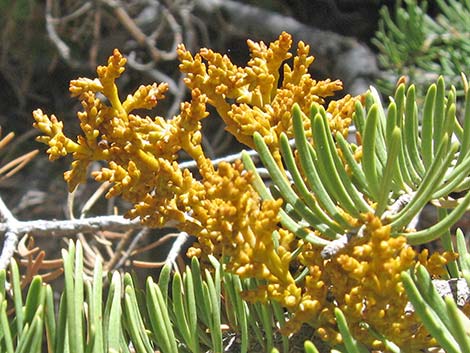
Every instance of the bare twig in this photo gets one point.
(230, 158)
(82, 10)
(182, 239)
(175, 250)
(129, 24)
(155, 244)
(11, 235)
(121, 246)
(62, 47)
(42, 228)
(13, 229)
(177, 36)
(149, 69)
(354, 63)
(94, 198)
(454, 287)
(94, 48)
(124, 255)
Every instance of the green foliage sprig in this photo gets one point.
(171, 316)
(183, 312)
(439, 311)
(404, 166)
(416, 45)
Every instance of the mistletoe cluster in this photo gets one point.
(328, 234)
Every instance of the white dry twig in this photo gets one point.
(13, 229)
(11, 235)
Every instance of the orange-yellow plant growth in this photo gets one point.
(221, 207)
